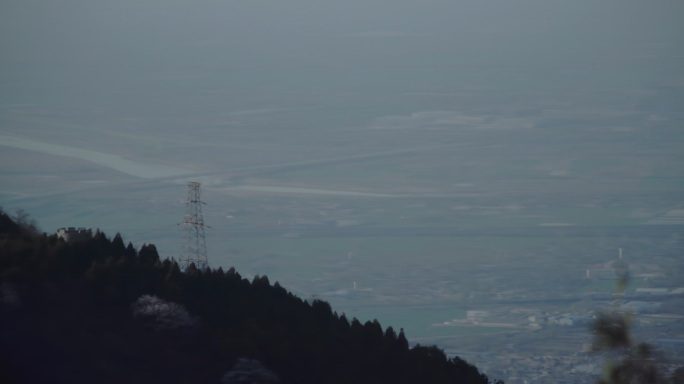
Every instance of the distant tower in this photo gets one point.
(194, 246)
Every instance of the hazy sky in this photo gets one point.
(148, 66)
(88, 44)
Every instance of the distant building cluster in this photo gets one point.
(533, 319)
(563, 320)
(71, 234)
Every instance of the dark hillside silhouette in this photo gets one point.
(99, 310)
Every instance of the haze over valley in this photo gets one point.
(460, 170)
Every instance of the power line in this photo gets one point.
(194, 244)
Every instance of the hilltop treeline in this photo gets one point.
(102, 311)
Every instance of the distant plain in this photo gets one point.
(407, 166)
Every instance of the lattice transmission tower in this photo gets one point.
(194, 245)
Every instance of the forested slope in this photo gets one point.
(102, 311)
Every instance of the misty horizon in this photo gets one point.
(442, 156)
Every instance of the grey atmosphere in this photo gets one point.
(460, 169)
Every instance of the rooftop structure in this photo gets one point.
(71, 234)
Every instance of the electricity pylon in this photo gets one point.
(194, 245)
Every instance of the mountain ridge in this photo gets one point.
(100, 310)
